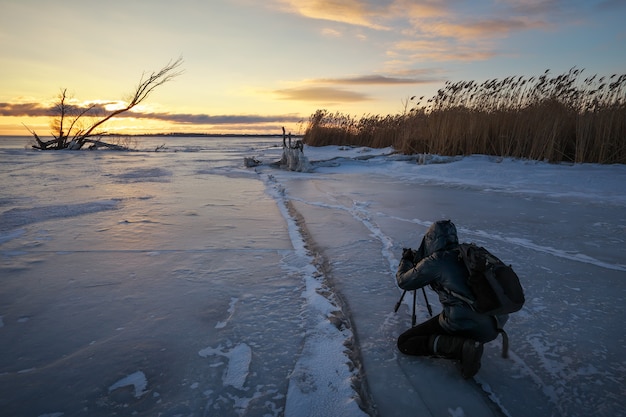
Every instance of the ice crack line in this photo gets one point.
(325, 373)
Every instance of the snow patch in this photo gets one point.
(137, 380)
(239, 359)
(231, 311)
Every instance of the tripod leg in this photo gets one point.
(430, 309)
(414, 317)
(395, 310)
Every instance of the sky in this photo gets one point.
(253, 67)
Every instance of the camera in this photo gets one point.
(413, 256)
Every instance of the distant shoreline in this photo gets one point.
(185, 135)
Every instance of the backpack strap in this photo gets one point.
(505, 337)
(505, 343)
(470, 303)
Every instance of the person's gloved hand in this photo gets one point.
(406, 262)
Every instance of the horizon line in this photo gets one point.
(179, 134)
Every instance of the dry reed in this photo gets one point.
(560, 118)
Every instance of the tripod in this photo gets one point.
(414, 316)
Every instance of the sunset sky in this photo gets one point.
(253, 66)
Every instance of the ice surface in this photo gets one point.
(182, 283)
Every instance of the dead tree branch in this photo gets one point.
(79, 137)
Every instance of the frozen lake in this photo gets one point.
(181, 283)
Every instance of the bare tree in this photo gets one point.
(73, 127)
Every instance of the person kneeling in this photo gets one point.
(458, 332)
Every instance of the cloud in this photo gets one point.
(450, 31)
(485, 28)
(39, 110)
(36, 109)
(331, 33)
(24, 109)
(442, 30)
(374, 80)
(330, 91)
(353, 12)
(428, 30)
(429, 50)
(205, 119)
(321, 94)
(416, 11)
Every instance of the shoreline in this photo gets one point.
(184, 135)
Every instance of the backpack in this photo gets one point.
(495, 286)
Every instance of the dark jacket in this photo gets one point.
(436, 263)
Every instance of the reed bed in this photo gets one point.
(563, 118)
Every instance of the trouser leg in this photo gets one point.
(430, 339)
(415, 341)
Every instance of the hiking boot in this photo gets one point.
(467, 351)
(471, 354)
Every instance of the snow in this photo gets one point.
(137, 380)
(239, 359)
(183, 283)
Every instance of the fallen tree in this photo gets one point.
(73, 126)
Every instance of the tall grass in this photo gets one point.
(554, 118)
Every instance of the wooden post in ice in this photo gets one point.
(293, 157)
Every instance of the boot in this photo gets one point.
(467, 351)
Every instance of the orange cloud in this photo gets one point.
(441, 31)
(481, 29)
(353, 12)
(416, 11)
(438, 50)
(332, 33)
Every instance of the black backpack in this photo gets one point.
(495, 286)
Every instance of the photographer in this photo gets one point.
(458, 332)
